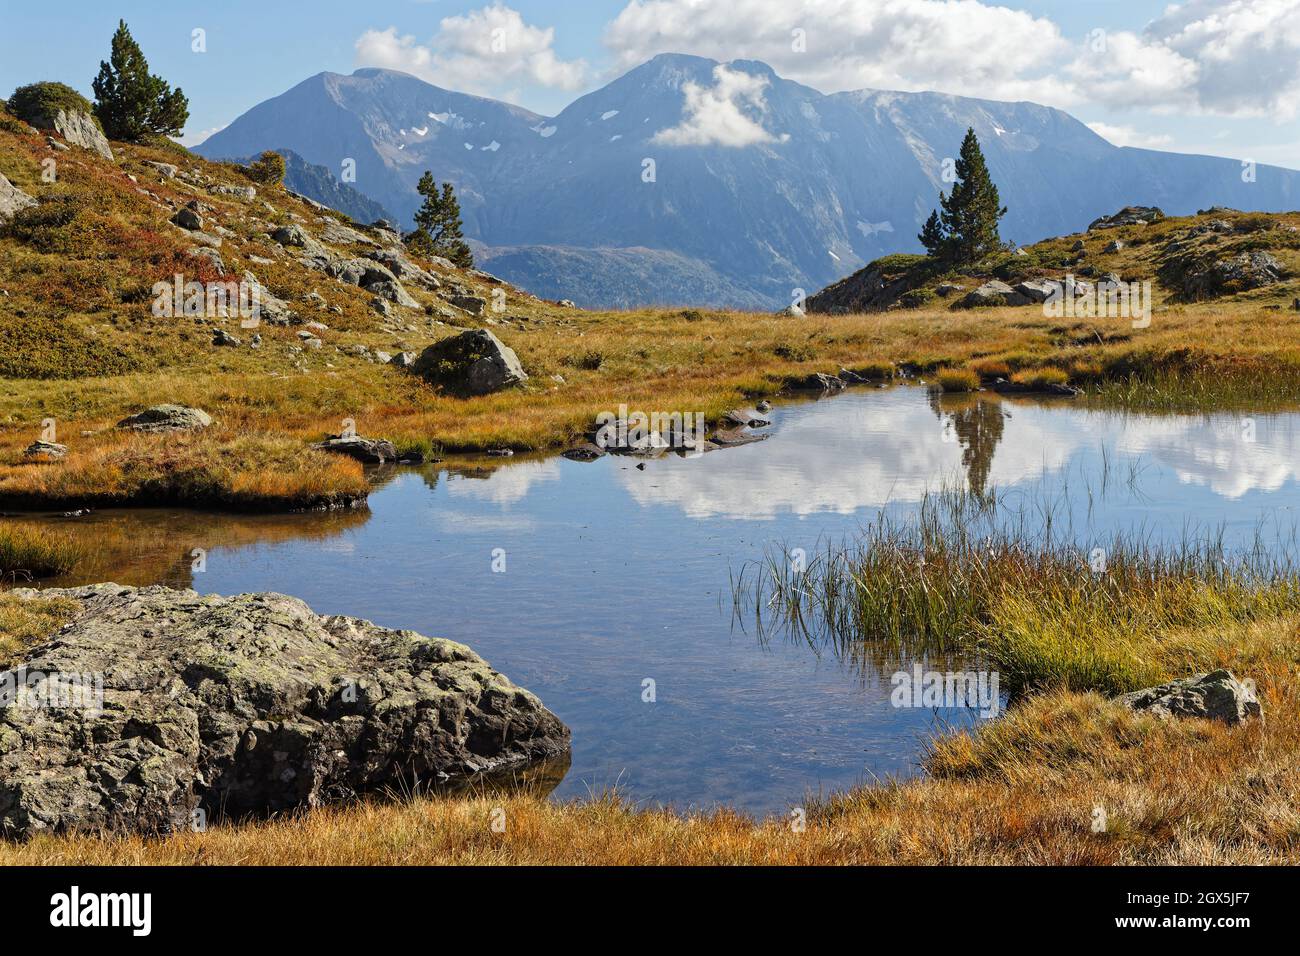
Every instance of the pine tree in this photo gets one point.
(132, 104)
(438, 226)
(971, 212)
(932, 235)
(268, 169)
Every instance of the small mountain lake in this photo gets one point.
(615, 574)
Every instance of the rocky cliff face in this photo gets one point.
(241, 705)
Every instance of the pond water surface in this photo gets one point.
(615, 575)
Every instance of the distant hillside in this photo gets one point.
(823, 184)
(318, 183)
(614, 278)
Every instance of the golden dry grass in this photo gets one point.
(81, 345)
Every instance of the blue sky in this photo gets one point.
(1210, 76)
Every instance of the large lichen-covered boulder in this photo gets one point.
(1214, 696)
(245, 705)
(475, 362)
(166, 418)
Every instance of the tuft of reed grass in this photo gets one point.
(1040, 377)
(957, 380)
(29, 551)
(968, 576)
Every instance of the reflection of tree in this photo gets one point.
(978, 424)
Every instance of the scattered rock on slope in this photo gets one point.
(475, 362)
(75, 126)
(1239, 273)
(163, 418)
(246, 704)
(12, 200)
(1128, 216)
(994, 293)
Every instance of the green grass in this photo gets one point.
(957, 380)
(28, 551)
(27, 622)
(969, 575)
(1040, 377)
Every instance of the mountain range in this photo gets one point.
(689, 181)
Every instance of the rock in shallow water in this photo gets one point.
(247, 705)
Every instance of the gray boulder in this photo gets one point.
(246, 193)
(188, 218)
(1239, 273)
(1128, 216)
(293, 236)
(1036, 290)
(76, 127)
(166, 418)
(338, 233)
(817, 382)
(403, 359)
(45, 451)
(472, 304)
(994, 293)
(475, 362)
(1214, 696)
(372, 451)
(244, 705)
(166, 170)
(211, 255)
(12, 200)
(391, 290)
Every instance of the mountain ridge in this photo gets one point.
(829, 183)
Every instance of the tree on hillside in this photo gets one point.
(967, 229)
(438, 226)
(932, 235)
(267, 170)
(130, 102)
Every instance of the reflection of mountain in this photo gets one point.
(1230, 455)
(977, 424)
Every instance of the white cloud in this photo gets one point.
(1245, 52)
(889, 44)
(1222, 57)
(717, 116)
(490, 51)
(197, 138)
(1129, 136)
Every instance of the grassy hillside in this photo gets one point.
(78, 342)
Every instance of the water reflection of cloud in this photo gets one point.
(865, 450)
(504, 485)
(1215, 451)
(471, 522)
(844, 454)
